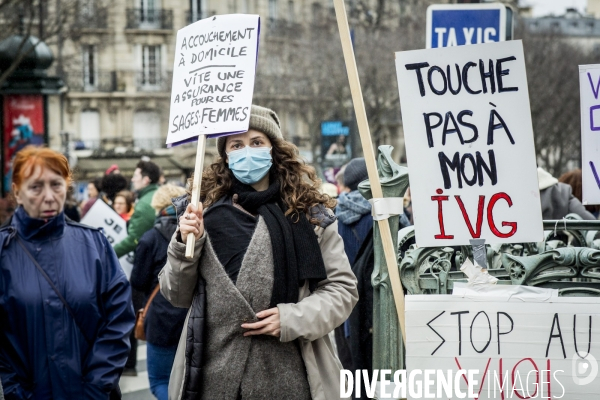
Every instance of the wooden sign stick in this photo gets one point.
(191, 240)
(365, 138)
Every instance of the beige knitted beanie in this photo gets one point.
(262, 119)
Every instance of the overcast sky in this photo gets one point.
(556, 7)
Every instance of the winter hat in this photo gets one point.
(112, 169)
(262, 119)
(545, 180)
(355, 173)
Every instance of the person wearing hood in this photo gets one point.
(557, 198)
(163, 323)
(353, 210)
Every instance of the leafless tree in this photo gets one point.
(50, 21)
(552, 76)
(305, 66)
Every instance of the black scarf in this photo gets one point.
(296, 252)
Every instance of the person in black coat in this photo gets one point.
(163, 323)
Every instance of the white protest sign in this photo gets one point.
(469, 144)
(213, 77)
(101, 215)
(513, 347)
(589, 85)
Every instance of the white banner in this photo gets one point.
(589, 85)
(520, 346)
(213, 77)
(469, 144)
(101, 215)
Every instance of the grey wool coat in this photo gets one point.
(308, 321)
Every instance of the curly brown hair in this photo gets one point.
(299, 185)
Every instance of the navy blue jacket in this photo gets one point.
(44, 353)
(354, 234)
(163, 323)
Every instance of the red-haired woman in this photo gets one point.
(65, 303)
(269, 278)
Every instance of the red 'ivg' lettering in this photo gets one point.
(440, 199)
(475, 232)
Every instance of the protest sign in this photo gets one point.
(213, 83)
(213, 77)
(469, 144)
(589, 85)
(520, 346)
(101, 215)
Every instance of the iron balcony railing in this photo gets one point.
(192, 16)
(152, 18)
(100, 81)
(96, 20)
(153, 82)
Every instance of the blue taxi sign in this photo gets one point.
(461, 24)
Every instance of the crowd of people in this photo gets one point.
(275, 300)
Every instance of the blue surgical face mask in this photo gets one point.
(250, 164)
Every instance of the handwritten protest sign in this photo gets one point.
(513, 348)
(469, 144)
(101, 215)
(213, 77)
(589, 85)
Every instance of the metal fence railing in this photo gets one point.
(100, 81)
(142, 18)
(153, 82)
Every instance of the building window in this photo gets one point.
(291, 11)
(89, 129)
(87, 9)
(90, 76)
(316, 13)
(198, 10)
(146, 130)
(150, 74)
(149, 14)
(272, 9)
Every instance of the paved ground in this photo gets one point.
(137, 387)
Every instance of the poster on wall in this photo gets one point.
(469, 144)
(589, 87)
(336, 149)
(23, 117)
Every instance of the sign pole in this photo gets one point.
(369, 153)
(195, 189)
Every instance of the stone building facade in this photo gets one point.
(118, 71)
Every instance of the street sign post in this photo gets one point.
(459, 24)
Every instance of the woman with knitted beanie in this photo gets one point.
(269, 278)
